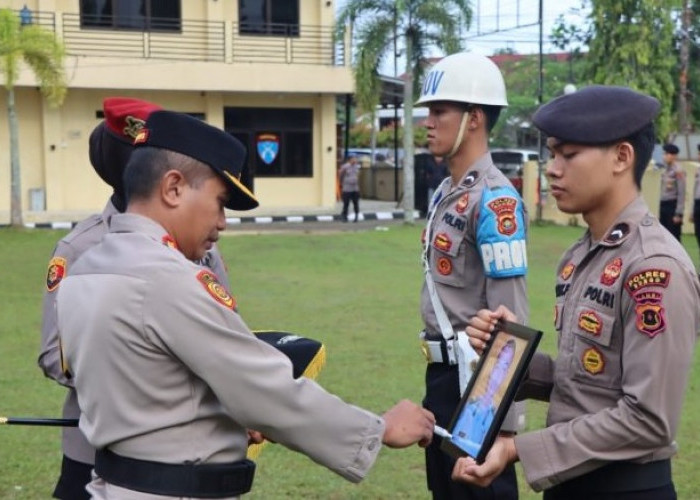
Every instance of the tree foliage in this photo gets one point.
(413, 26)
(43, 54)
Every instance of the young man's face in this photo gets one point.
(443, 124)
(580, 177)
(202, 217)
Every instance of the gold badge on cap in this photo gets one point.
(55, 273)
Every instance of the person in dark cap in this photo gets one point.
(110, 146)
(695, 217)
(672, 192)
(627, 314)
(168, 375)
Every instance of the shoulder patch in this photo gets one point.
(504, 208)
(55, 273)
(646, 278)
(216, 289)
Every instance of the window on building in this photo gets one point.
(269, 17)
(279, 140)
(150, 15)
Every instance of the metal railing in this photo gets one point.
(190, 40)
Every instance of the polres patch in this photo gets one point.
(651, 315)
(216, 289)
(55, 273)
(647, 278)
(504, 208)
(612, 271)
(593, 361)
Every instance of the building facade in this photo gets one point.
(266, 71)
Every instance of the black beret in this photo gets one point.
(670, 149)
(192, 137)
(598, 114)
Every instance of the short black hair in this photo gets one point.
(643, 143)
(147, 165)
(492, 113)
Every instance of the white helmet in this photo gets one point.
(464, 77)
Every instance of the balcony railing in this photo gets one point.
(188, 40)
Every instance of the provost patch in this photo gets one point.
(651, 317)
(216, 289)
(462, 203)
(567, 271)
(55, 273)
(593, 361)
(443, 242)
(504, 208)
(444, 266)
(590, 322)
(611, 272)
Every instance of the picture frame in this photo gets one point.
(491, 390)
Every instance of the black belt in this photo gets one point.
(621, 476)
(185, 480)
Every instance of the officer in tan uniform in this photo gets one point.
(167, 373)
(110, 147)
(474, 248)
(672, 192)
(695, 217)
(627, 315)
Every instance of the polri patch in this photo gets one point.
(590, 322)
(612, 271)
(646, 278)
(444, 266)
(567, 271)
(651, 316)
(55, 273)
(504, 208)
(216, 289)
(443, 242)
(593, 361)
(462, 203)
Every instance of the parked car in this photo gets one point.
(510, 161)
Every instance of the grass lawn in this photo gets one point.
(357, 292)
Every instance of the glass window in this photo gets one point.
(152, 15)
(279, 141)
(269, 17)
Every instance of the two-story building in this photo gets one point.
(266, 71)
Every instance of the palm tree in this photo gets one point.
(43, 54)
(379, 26)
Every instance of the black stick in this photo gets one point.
(60, 422)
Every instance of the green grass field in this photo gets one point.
(357, 292)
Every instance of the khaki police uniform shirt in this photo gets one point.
(84, 235)
(349, 175)
(458, 259)
(166, 370)
(673, 186)
(627, 315)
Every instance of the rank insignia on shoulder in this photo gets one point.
(216, 289)
(169, 241)
(462, 203)
(567, 271)
(444, 266)
(593, 361)
(611, 272)
(504, 208)
(618, 233)
(55, 273)
(471, 178)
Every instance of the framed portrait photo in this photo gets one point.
(491, 390)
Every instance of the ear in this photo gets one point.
(172, 186)
(476, 116)
(624, 157)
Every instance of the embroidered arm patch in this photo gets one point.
(216, 289)
(500, 233)
(649, 308)
(55, 273)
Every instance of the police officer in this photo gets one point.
(627, 315)
(167, 373)
(474, 252)
(349, 177)
(110, 147)
(695, 218)
(672, 192)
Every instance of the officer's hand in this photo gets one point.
(501, 454)
(255, 437)
(677, 219)
(407, 423)
(482, 324)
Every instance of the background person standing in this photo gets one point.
(695, 218)
(672, 192)
(349, 176)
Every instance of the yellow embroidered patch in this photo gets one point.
(216, 289)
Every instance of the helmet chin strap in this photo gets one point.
(460, 134)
